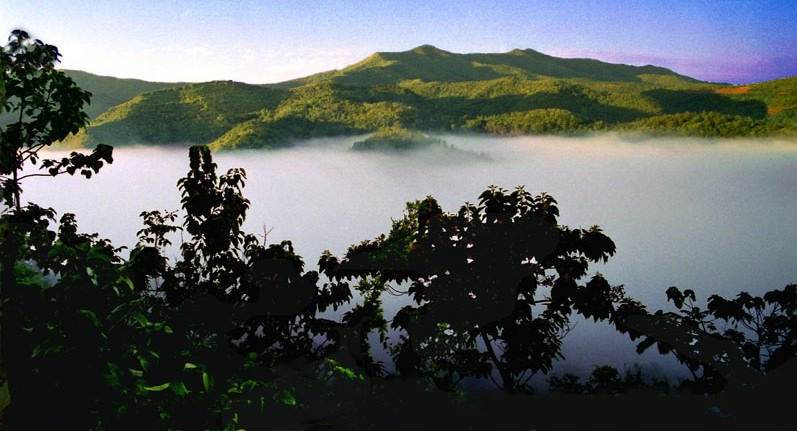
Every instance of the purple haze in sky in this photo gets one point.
(268, 41)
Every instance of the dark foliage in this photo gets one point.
(751, 333)
(46, 106)
(493, 286)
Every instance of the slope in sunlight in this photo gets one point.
(109, 91)
(426, 88)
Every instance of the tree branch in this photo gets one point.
(39, 175)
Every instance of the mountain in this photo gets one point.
(108, 91)
(429, 89)
(190, 113)
(428, 63)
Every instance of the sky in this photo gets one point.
(271, 41)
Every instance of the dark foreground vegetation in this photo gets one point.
(236, 333)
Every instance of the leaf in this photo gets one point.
(645, 344)
(207, 381)
(141, 319)
(179, 389)
(128, 282)
(112, 375)
(91, 316)
(144, 362)
(190, 366)
(349, 373)
(157, 388)
(675, 295)
(286, 397)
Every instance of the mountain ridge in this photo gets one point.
(108, 91)
(393, 66)
(426, 88)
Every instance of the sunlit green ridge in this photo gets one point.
(109, 91)
(429, 89)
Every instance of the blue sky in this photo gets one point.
(269, 41)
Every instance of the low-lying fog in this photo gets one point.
(712, 216)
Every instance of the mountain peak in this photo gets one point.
(429, 50)
(429, 63)
(527, 51)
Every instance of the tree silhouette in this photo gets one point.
(493, 285)
(45, 106)
(732, 341)
(607, 380)
(263, 287)
(237, 309)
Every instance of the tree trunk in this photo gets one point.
(506, 377)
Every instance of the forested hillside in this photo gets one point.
(429, 63)
(106, 91)
(428, 89)
(109, 91)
